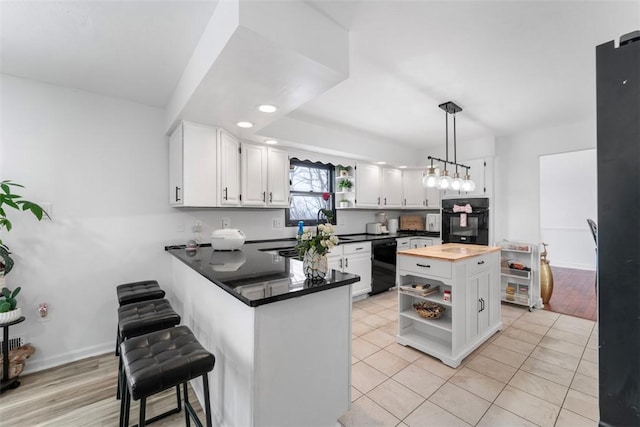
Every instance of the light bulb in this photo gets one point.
(430, 179)
(445, 181)
(468, 185)
(456, 183)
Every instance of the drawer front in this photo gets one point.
(479, 263)
(425, 266)
(356, 248)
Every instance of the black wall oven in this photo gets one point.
(465, 221)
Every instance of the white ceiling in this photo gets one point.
(511, 65)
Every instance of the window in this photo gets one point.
(311, 184)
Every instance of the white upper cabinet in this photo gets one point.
(277, 177)
(367, 185)
(415, 195)
(254, 175)
(265, 176)
(412, 189)
(391, 188)
(228, 169)
(192, 165)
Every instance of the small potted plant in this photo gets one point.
(345, 185)
(344, 203)
(17, 202)
(8, 305)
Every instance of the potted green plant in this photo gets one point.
(9, 311)
(12, 200)
(344, 203)
(345, 185)
(343, 171)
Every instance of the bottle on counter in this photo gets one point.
(300, 229)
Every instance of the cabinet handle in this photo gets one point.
(405, 202)
(378, 200)
(346, 263)
(270, 196)
(385, 201)
(225, 193)
(340, 262)
(426, 202)
(264, 196)
(480, 262)
(177, 197)
(359, 249)
(422, 265)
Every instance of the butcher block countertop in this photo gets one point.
(450, 251)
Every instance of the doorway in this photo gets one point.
(568, 196)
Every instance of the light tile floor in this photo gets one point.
(540, 370)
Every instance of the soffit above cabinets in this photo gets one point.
(280, 53)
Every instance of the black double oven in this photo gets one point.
(465, 221)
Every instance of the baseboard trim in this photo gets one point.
(52, 362)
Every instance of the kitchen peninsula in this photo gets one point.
(470, 275)
(282, 345)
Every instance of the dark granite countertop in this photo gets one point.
(256, 274)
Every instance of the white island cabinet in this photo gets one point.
(470, 275)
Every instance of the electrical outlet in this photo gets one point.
(197, 227)
(277, 223)
(226, 223)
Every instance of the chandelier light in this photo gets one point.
(431, 179)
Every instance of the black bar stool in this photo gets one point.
(141, 318)
(158, 361)
(129, 293)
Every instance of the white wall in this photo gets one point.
(103, 165)
(518, 177)
(568, 196)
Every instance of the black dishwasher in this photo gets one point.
(383, 265)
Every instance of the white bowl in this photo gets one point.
(10, 316)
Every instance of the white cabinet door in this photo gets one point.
(229, 169)
(359, 264)
(278, 177)
(367, 186)
(254, 175)
(391, 188)
(176, 189)
(192, 166)
(413, 193)
(478, 304)
(432, 198)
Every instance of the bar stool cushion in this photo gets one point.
(146, 316)
(157, 361)
(139, 291)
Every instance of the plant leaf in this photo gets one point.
(16, 291)
(5, 188)
(5, 292)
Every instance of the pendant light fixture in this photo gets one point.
(445, 182)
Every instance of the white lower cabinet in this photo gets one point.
(353, 258)
(420, 242)
(471, 315)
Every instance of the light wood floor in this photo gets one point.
(573, 293)
(80, 394)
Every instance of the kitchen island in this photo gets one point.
(469, 275)
(282, 344)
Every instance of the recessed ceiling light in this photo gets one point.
(244, 124)
(271, 142)
(381, 163)
(267, 108)
(402, 167)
